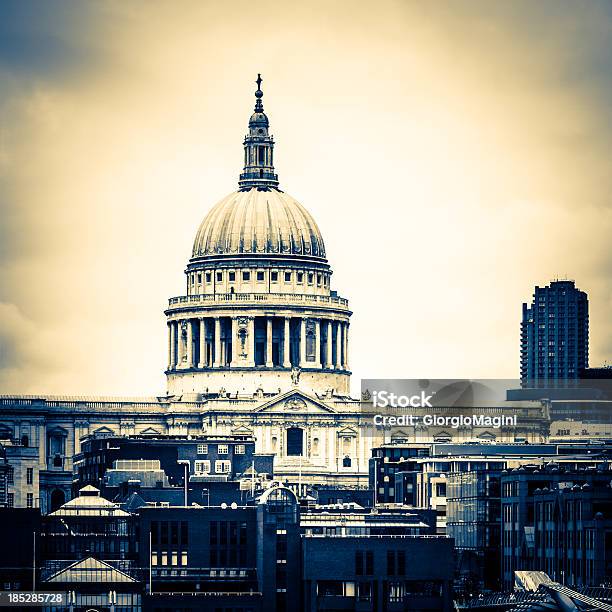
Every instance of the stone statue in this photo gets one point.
(295, 375)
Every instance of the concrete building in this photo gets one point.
(554, 335)
(557, 519)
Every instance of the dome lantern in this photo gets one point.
(258, 150)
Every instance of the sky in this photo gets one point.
(454, 154)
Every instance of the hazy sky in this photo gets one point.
(454, 155)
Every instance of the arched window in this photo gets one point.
(315, 446)
(58, 498)
(295, 442)
(274, 443)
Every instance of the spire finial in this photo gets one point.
(259, 95)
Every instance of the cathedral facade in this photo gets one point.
(258, 346)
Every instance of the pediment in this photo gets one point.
(294, 402)
(150, 431)
(441, 435)
(487, 435)
(242, 430)
(347, 432)
(104, 431)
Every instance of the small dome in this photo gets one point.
(259, 120)
(259, 222)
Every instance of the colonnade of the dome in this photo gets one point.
(257, 341)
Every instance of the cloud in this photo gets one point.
(454, 155)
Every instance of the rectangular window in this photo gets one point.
(154, 529)
(401, 562)
(154, 558)
(184, 533)
(310, 278)
(164, 532)
(219, 276)
(300, 277)
(174, 558)
(246, 275)
(274, 276)
(10, 476)
(369, 566)
(223, 466)
(202, 449)
(319, 280)
(208, 277)
(199, 277)
(30, 476)
(359, 563)
(240, 449)
(391, 563)
(30, 500)
(232, 276)
(184, 559)
(287, 277)
(260, 276)
(223, 449)
(164, 558)
(10, 500)
(202, 467)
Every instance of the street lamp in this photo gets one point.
(185, 464)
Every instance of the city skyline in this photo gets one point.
(112, 152)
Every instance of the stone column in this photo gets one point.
(302, 343)
(217, 357)
(346, 345)
(269, 362)
(234, 340)
(317, 345)
(170, 333)
(335, 327)
(341, 353)
(251, 343)
(179, 344)
(287, 343)
(328, 345)
(42, 446)
(202, 361)
(175, 343)
(189, 344)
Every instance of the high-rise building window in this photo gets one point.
(10, 500)
(30, 500)
(30, 476)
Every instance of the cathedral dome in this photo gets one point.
(259, 222)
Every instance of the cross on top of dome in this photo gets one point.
(259, 95)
